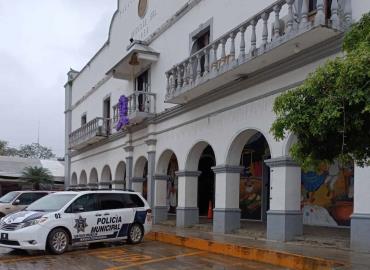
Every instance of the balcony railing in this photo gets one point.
(89, 133)
(275, 33)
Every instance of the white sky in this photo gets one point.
(39, 41)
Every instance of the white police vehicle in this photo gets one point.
(77, 217)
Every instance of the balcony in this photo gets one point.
(284, 28)
(141, 106)
(90, 133)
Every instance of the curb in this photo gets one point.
(278, 258)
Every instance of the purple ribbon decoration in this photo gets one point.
(123, 108)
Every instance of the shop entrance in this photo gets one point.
(206, 181)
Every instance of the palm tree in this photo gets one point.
(36, 176)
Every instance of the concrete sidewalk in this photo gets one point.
(288, 255)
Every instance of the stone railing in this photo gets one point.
(141, 101)
(98, 127)
(278, 23)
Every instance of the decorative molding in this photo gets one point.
(137, 179)
(151, 142)
(227, 210)
(120, 182)
(161, 177)
(284, 212)
(188, 173)
(104, 183)
(227, 169)
(284, 161)
(360, 216)
(129, 148)
(92, 184)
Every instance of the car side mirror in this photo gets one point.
(16, 202)
(78, 208)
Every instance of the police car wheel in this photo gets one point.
(135, 234)
(58, 240)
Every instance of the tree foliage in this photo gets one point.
(37, 176)
(5, 150)
(35, 150)
(330, 112)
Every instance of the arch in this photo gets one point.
(120, 173)
(140, 166)
(74, 179)
(93, 176)
(83, 178)
(237, 144)
(289, 142)
(192, 159)
(163, 161)
(106, 174)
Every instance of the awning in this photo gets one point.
(138, 59)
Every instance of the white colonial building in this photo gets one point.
(197, 80)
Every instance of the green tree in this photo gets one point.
(330, 112)
(35, 150)
(37, 176)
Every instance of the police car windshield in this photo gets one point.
(7, 198)
(51, 203)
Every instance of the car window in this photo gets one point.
(26, 198)
(39, 195)
(52, 202)
(87, 202)
(7, 198)
(109, 201)
(131, 200)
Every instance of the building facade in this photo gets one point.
(177, 104)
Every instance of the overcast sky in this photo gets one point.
(39, 41)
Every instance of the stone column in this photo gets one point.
(160, 198)
(360, 219)
(284, 219)
(226, 214)
(118, 184)
(129, 165)
(151, 168)
(187, 212)
(137, 184)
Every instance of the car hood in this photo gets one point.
(22, 216)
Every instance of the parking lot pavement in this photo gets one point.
(147, 255)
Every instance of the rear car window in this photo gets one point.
(110, 201)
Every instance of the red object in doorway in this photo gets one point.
(210, 211)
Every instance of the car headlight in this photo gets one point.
(33, 222)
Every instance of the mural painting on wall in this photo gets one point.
(251, 178)
(327, 196)
(172, 185)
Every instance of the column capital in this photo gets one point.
(120, 182)
(188, 173)
(284, 161)
(137, 179)
(92, 185)
(227, 169)
(129, 148)
(150, 142)
(105, 183)
(160, 177)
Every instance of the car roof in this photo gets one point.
(96, 191)
(34, 191)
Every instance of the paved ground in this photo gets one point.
(147, 255)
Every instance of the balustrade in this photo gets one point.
(276, 24)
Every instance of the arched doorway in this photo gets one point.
(93, 179)
(140, 179)
(74, 179)
(83, 178)
(206, 181)
(172, 184)
(119, 181)
(250, 149)
(106, 178)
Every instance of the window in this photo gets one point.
(106, 114)
(200, 41)
(83, 119)
(7, 198)
(132, 200)
(51, 203)
(85, 203)
(110, 201)
(27, 198)
(142, 85)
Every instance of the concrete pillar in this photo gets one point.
(160, 198)
(226, 214)
(151, 143)
(137, 184)
(187, 212)
(360, 219)
(129, 166)
(118, 184)
(284, 219)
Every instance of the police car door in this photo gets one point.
(83, 213)
(112, 223)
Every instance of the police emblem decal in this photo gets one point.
(80, 224)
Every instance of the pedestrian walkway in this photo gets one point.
(290, 254)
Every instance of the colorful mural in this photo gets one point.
(327, 196)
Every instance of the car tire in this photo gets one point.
(58, 240)
(135, 234)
